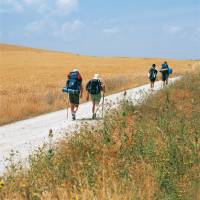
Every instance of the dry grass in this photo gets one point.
(31, 79)
(147, 152)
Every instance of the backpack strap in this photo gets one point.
(88, 86)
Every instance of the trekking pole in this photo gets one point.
(102, 105)
(67, 106)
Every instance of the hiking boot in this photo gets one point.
(73, 116)
(94, 116)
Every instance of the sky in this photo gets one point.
(131, 28)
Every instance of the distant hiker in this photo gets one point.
(165, 73)
(75, 89)
(94, 89)
(152, 75)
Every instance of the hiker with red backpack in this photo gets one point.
(74, 89)
(94, 89)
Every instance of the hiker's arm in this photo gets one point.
(103, 88)
(88, 96)
(87, 88)
(81, 91)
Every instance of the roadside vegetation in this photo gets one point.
(32, 79)
(147, 151)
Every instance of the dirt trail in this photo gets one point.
(27, 135)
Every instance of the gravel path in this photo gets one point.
(27, 135)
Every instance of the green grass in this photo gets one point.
(149, 151)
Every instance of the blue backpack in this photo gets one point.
(164, 66)
(152, 73)
(170, 70)
(94, 86)
(73, 85)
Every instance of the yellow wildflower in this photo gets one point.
(1, 184)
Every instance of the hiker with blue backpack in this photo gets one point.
(166, 71)
(94, 89)
(152, 75)
(74, 89)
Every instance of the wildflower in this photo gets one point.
(36, 196)
(23, 185)
(1, 184)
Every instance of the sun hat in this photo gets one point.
(96, 76)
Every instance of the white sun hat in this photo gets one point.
(96, 76)
(75, 70)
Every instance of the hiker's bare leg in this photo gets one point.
(75, 108)
(72, 111)
(72, 108)
(152, 85)
(167, 81)
(163, 83)
(93, 110)
(97, 107)
(93, 106)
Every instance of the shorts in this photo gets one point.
(165, 76)
(74, 98)
(96, 97)
(152, 79)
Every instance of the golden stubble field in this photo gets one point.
(32, 79)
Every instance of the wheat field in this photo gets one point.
(147, 152)
(32, 79)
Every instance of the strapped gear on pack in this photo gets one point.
(73, 85)
(170, 70)
(94, 86)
